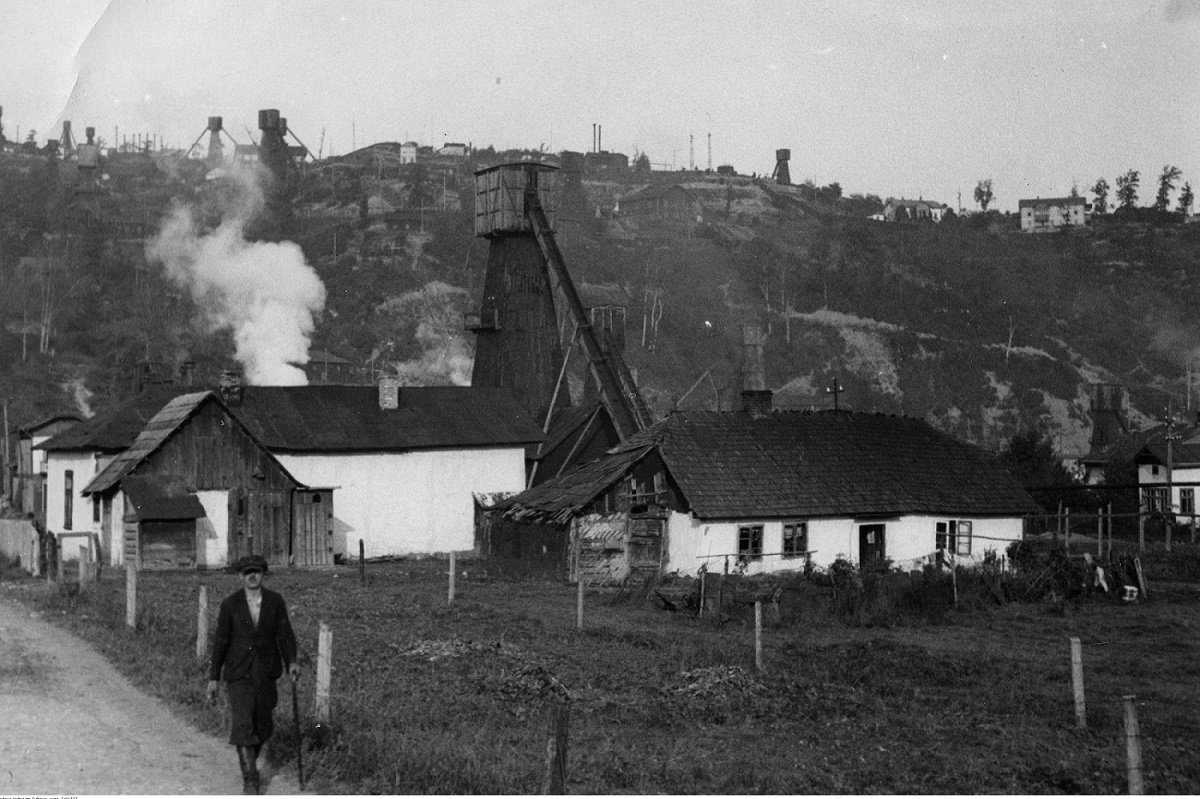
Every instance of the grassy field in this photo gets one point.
(431, 698)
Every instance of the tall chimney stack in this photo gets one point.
(230, 387)
(756, 397)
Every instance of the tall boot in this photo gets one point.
(248, 762)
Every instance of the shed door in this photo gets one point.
(260, 523)
(312, 528)
(871, 543)
(645, 546)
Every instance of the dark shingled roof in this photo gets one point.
(831, 463)
(164, 423)
(116, 428)
(332, 419)
(156, 499)
(348, 418)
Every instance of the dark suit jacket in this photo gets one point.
(240, 646)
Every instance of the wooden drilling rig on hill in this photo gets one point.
(527, 290)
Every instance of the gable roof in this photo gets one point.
(118, 427)
(830, 463)
(169, 419)
(33, 428)
(327, 418)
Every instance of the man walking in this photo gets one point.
(254, 642)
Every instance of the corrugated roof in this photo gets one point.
(831, 463)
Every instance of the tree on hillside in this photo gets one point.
(983, 193)
(1127, 188)
(1185, 199)
(1100, 189)
(1031, 459)
(1166, 184)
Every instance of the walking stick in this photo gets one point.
(299, 746)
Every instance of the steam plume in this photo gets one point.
(263, 292)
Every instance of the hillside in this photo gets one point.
(970, 324)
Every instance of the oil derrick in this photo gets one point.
(216, 148)
(518, 342)
(782, 175)
(275, 154)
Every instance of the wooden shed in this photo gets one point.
(196, 460)
(500, 196)
(159, 523)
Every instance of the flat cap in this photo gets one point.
(248, 563)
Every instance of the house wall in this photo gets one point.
(412, 502)
(1052, 216)
(1152, 476)
(85, 466)
(908, 541)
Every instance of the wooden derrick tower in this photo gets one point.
(518, 343)
(782, 175)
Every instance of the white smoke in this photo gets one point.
(263, 292)
(446, 354)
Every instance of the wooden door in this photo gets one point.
(260, 523)
(645, 547)
(312, 527)
(871, 546)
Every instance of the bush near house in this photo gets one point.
(892, 689)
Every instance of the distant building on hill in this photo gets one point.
(1045, 215)
(453, 148)
(919, 210)
(408, 152)
(667, 203)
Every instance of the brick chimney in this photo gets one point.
(756, 397)
(187, 372)
(389, 393)
(230, 387)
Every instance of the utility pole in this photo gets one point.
(710, 152)
(835, 389)
(1169, 517)
(691, 151)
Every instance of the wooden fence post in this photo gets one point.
(324, 671)
(1133, 747)
(555, 781)
(131, 595)
(1077, 684)
(1110, 531)
(1100, 535)
(758, 660)
(1141, 532)
(450, 587)
(362, 563)
(202, 623)
(1067, 530)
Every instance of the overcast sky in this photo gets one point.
(913, 98)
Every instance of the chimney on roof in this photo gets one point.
(230, 387)
(389, 393)
(187, 372)
(756, 397)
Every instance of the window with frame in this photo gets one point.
(1155, 499)
(953, 536)
(795, 539)
(1187, 500)
(68, 498)
(750, 542)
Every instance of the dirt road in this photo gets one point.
(71, 724)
